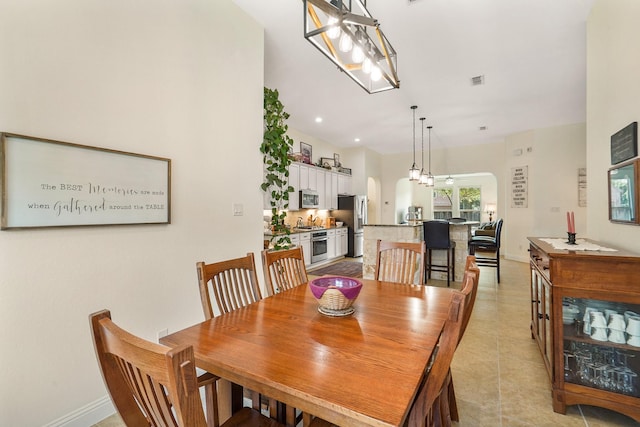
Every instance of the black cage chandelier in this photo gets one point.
(349, 36)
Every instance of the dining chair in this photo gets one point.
(431, 405)
(153, 385)
(469, 290)
(400, 262)
(488, 243)
(437, 237)
(229, 284)
(284, 269)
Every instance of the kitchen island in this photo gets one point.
(460, 233)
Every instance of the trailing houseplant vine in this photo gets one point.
(275, 147)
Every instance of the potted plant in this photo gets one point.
(276, 146)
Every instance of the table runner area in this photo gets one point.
(581, 245)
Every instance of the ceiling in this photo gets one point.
(532, 54)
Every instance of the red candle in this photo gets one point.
(573, 223)
(568, 222)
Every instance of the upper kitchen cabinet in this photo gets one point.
(308, 177)
(328, 184)
(331, 190)
(344, 184)
(294, 181)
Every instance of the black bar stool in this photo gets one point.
(488, 243)
(436, 236)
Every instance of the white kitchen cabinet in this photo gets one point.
(331, 243)
(331, 190)
(320, 188)
(308, 177)
(305, 242)
(294, 181)
(344, 184)
(342, 241)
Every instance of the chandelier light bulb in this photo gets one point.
(346, 44)
(357, 55)
(376, 74)
(366, 65)
(334, 30)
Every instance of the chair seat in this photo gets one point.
(483, 240)
(250, 417)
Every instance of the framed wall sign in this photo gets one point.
(624, 192)
(48, 183)
(624, 144)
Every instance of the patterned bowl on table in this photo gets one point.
(335, 294)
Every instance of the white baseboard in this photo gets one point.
(88, 415)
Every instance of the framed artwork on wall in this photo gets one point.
(624, 192)
(50, 183)
(306, 151)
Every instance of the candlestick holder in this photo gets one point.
(572, 238)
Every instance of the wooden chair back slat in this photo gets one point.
(150, 384)
(229, 284)
(400, 262)
(284, 269)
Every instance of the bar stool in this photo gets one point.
(436, 236)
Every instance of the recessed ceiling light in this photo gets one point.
(318, 119)
(357, 140)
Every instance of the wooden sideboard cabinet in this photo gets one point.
(590, 365)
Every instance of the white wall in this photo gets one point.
(181, 80)
(613, 66)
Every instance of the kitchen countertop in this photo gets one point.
(306, 230)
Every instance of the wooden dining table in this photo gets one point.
(361, 369)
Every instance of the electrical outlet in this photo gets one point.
(238, 209)
(163, 333)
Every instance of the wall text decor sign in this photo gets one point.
(624, 144)
(519, 187)
(49, 183)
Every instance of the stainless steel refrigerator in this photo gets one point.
(352, 210)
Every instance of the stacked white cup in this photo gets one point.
(633, 329)
(598, 326)
(616, 328)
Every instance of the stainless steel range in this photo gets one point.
(319, 242)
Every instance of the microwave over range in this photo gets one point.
(309, 199)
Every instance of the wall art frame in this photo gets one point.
(624, 192)
(306, 150)
(48, 183)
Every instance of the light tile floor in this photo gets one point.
(499, 376)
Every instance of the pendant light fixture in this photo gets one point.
(449, 180)
(414, 173)
(346, 33)
(423, 174)
(430, 179)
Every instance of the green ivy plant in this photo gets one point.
(275, 148)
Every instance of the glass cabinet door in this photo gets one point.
(601, 344)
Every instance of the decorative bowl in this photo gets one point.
(339, 223)
(335, 294)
